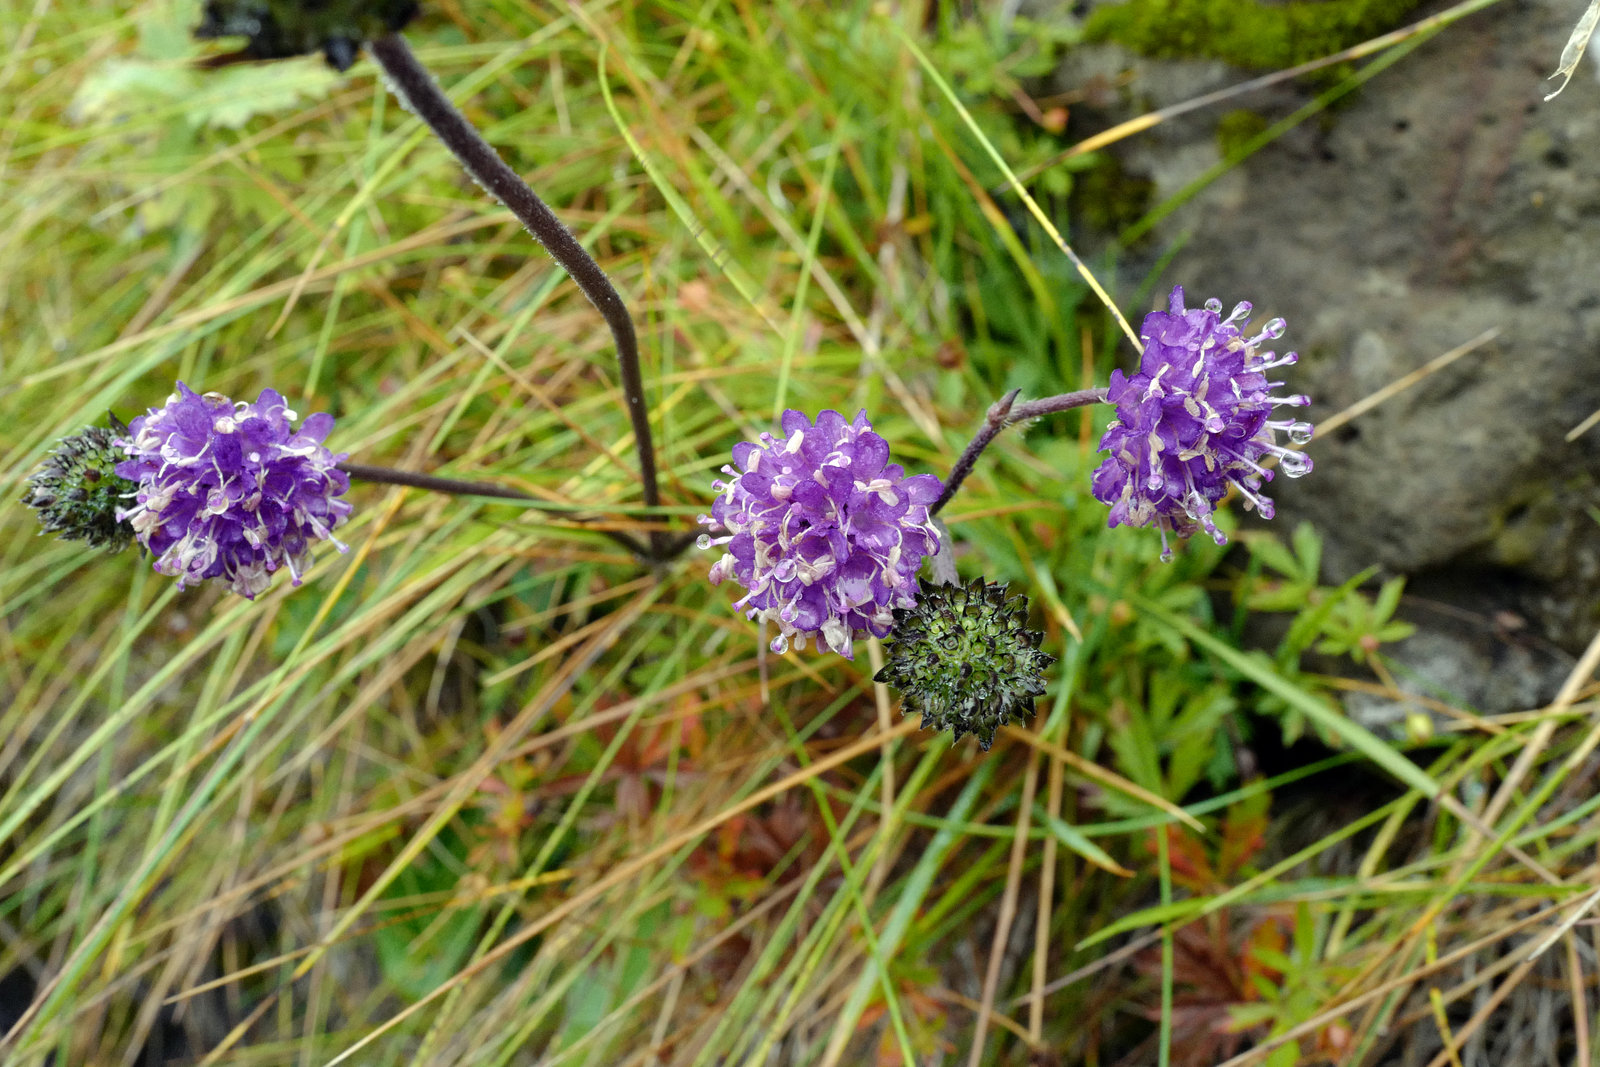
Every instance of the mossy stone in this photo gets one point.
(1108, 197)
(1237, 129)
(1243, 32)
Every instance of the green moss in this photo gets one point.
(1244, 32)
(1237, 129)
(1107, 197)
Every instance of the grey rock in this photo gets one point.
(1484, 673)
(1443, 199)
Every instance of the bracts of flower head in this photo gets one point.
(277, 29)
(77, 491)
(231, 490)
(1195, 421)
(822, 531)
(340, 29)
(964, 659)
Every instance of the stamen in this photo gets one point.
(1262, 504)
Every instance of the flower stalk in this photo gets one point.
(1007, 412)
(456, 487)
(418, 90)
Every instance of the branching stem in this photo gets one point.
(415, 480)
(1007, 412)
(419, 91)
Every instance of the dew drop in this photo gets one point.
(1295, 464)
(1300, 433)
(1274, 328)
(703, 542)
(780, 644)
(1214, 306)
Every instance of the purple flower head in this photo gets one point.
(823, 532)
(1196, 420)
(231, 490)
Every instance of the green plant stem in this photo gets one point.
(418, 90)
(414, 480)
(1007, 412)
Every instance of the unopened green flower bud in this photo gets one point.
(77, 490)
(280, 28)
(1419, 727)
(965, 660)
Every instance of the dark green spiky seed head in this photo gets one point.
(281, 28)
(77, 490)
(964, 659)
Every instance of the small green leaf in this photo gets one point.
(1069, 836)
(1353, 733)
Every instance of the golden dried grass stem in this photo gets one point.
(1047, 889)
(1095, 772)
(1575, 681)
(1008, 908)
(1383, 989)
(625, 871)
(1155, 118)
(1402, 383)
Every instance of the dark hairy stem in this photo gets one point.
(456, 487)
(418, 90)
(1007, 412)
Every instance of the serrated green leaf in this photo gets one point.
(1069, 836)
(1351, 732)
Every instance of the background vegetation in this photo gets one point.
(485, 790)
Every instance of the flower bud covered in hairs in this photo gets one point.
(964, 659)
(77, 491)
(280, 28)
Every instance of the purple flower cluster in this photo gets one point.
(231, 491)
(824, 533)
(1195, 421)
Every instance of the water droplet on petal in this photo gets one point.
(1214, 306)
(1274, 328)
(780, 644)
(703, 542)
(1295, 464)
(1300, 433)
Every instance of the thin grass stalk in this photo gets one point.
(624, 871)
(1008, 909)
